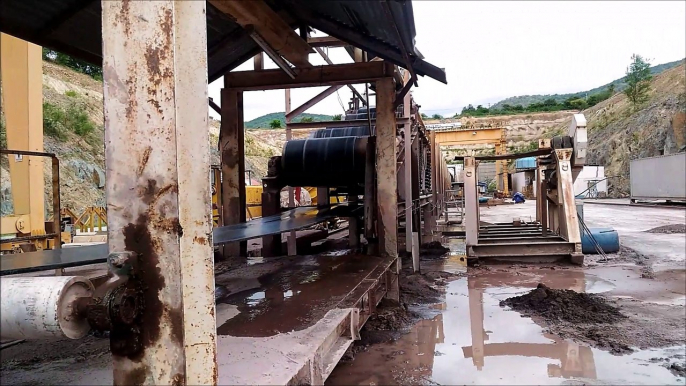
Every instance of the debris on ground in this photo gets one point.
(669, 229)
(433, 249)
(566, 305)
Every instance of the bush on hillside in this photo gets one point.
(275, 124)
(58, 121)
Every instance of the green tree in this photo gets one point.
(437, 116)
(275, 124)
(306, 119)
(638, 80)
(337, 117)
(424, 116)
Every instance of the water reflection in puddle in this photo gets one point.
(475, 341)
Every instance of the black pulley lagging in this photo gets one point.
(324, 162)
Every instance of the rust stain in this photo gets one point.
(144, 160)
(137, 239)
(178, 380)
(170, 225)
(200, 240)
(175, 317)
(133, 377)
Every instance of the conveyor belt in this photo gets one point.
(292, 219)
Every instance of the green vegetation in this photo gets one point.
(57, 122)
(618, 84)
(275, 124)
(638, 80)
(437, 116)
(337, 117)
(306, 119)
(424, 116)
(548, 105)
(265, 121)
(81, 66)
(3, 132)
(71, 93)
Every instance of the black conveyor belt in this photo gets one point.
(292, 219)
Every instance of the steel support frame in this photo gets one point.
(471, 220)
(232, 152)
(387, 179)
(158, 198)
(569, 220)
(22, 81)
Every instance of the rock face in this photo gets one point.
(619, 132)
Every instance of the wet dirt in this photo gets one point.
(669, 229)
(556, 305)
(473, 340)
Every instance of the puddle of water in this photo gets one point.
(475, 341)
(295, 296)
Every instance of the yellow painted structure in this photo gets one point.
(477, 136)
(22, 103)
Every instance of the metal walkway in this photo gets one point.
(289, 220)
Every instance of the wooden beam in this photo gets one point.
(326, 41)
(326, 58)
(349, 73)
(318, 98)
(270, 26)
(258, 61)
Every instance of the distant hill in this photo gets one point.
(263, 121)
(526, 100)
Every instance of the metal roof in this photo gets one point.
(74, 27)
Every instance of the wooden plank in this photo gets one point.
(325, 41)
(270, 26)
(336, 74)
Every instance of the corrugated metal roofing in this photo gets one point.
(74, 27)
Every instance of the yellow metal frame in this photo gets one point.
(477, 136)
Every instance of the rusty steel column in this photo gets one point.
(158, 193)
(471, 202)
(407, 170)
(542, 200)
(386, 168)
(568, 218)
(291, 238)
(232, 151)
(434, 173)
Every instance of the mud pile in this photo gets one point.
(432, 250)
(671, 228)
(564, 305)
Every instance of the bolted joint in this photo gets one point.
(121, 306)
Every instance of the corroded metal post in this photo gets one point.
(158, 197)
(471, 202)
(387, 177)
(232, 150)
(568, 218)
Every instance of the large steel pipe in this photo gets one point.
(43, 307)
(324, 162)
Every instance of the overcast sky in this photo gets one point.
(493, 50)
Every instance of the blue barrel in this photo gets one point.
(607, 238)
(483, 200)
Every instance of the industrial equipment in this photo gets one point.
(659, 178)
(555, 234)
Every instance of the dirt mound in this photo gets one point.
(565, 305)
(390, 316)
(671, 228)
(432, 250)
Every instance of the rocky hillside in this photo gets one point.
(521, 131)
(618, 132)
(619, 85)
